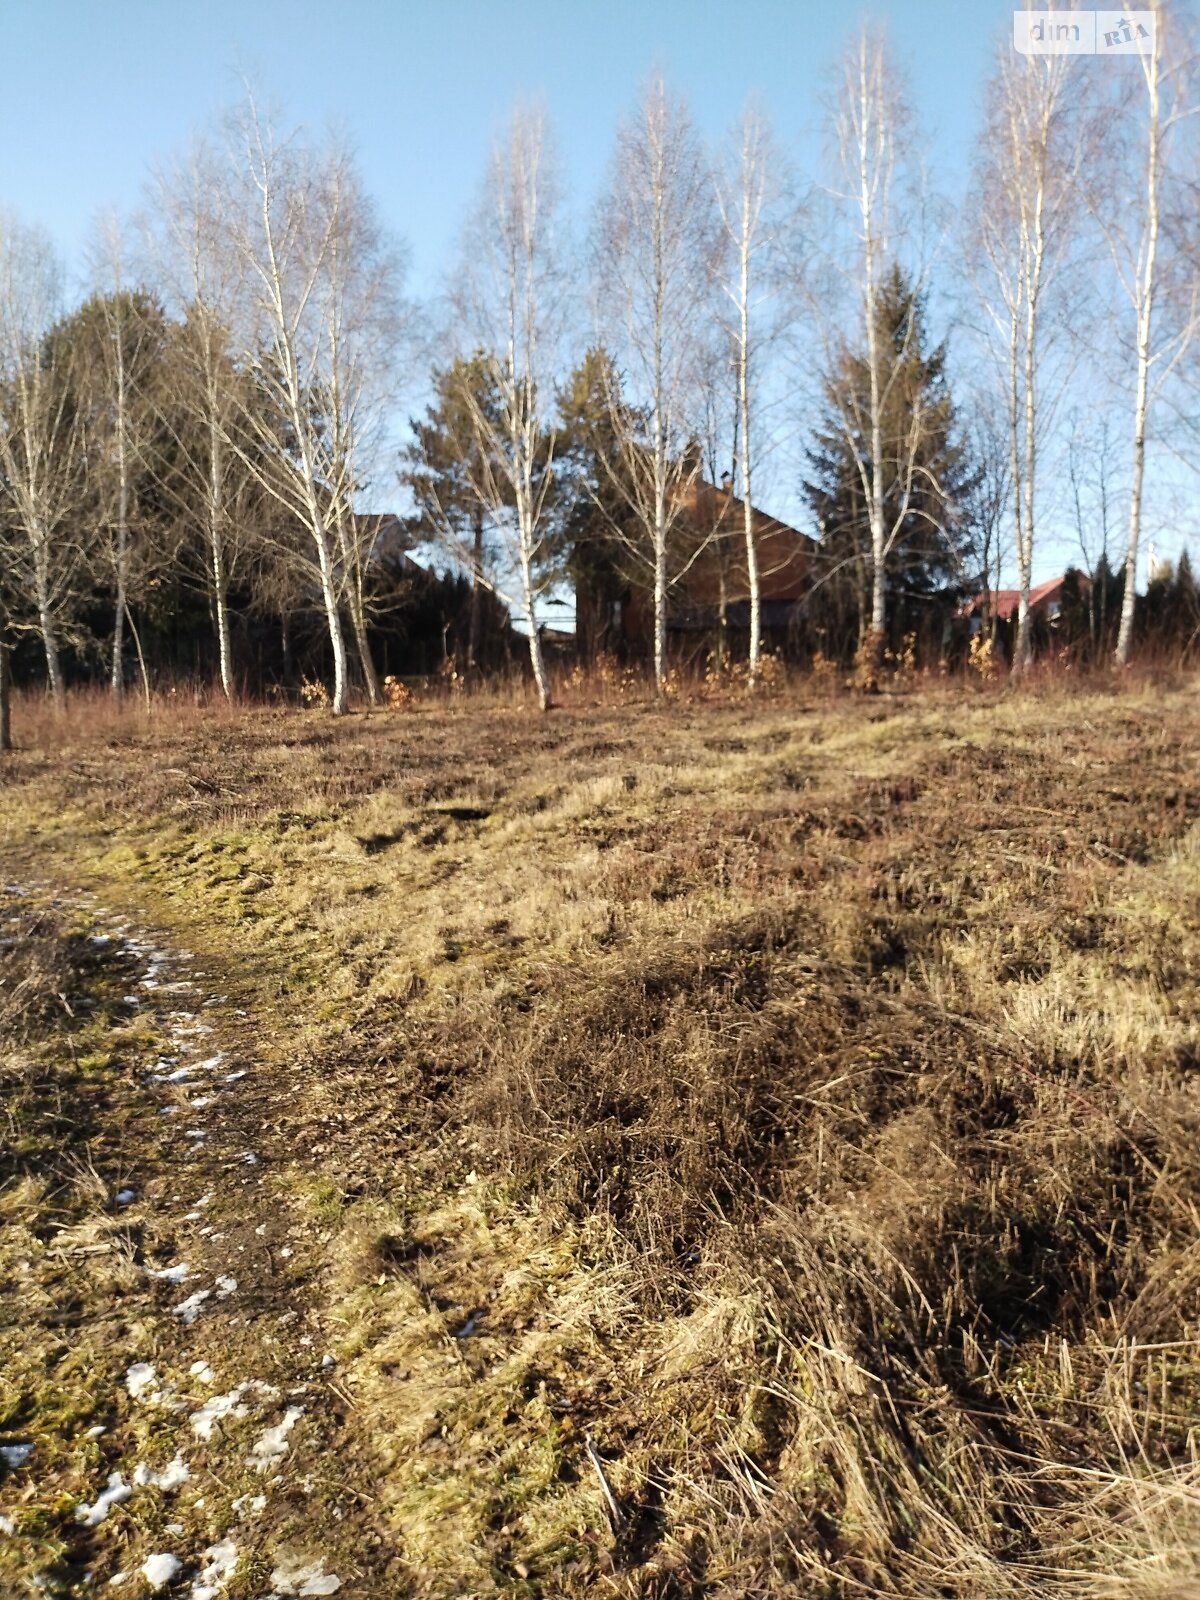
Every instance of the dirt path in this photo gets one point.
(214, 1460)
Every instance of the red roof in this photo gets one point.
(1005, 602)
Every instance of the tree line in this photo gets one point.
(205, 431)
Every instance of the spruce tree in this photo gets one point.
(926, 458)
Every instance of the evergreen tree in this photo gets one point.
(596, 520)
(927, 472)
(443, 466)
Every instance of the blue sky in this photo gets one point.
(103, 87)
(98, 89)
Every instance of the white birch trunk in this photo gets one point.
(1145, 289)
(121, 563)
(46, 623)
(752, 577)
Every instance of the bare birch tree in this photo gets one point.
(653, 255)
(123, 336)
(1026, 214)
(1157, 105)
(362, 317)
(40, 457)
(207, 395)
(291, 212)
(510, 304)
(870, 125)
(750, 193)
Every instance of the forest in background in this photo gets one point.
(203, 479)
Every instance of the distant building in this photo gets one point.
(713, 595)
(1046, 600)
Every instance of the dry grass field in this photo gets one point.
(721, 1150)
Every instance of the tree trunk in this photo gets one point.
(337, 639)
(755, 595)
(5, 684)
(50, 641)
(361, 639)
(875, 378)
(536, 656)
(118, 640)
(1023, 654)
(1145, 316)
(221, 605)
(122, 573)
(137, 644)
(117, 679)
(217, 550)
(744, 408)
(660, 610)
(476, 590)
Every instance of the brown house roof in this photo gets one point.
(784, 553)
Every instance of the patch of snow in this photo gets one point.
(286, 1252)
(212, 1063)
(220, 1564)
(249, 1504)
(175, 1274)
(139, 1378)
(232, 1077)
(126, 1197)
(226, 1286)
(201, 1370)
(190, 1308)
(94, 1433)
(173, 1476)
(7, 1525)
(15, 1455)
(249, 1158)
(296, 1576)
(118, 1577)
(232, 1404)
(116, 1494)
(268, 1450)
(100, 940)
(158, 1570)
(212, 1411)
(173, 1527)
